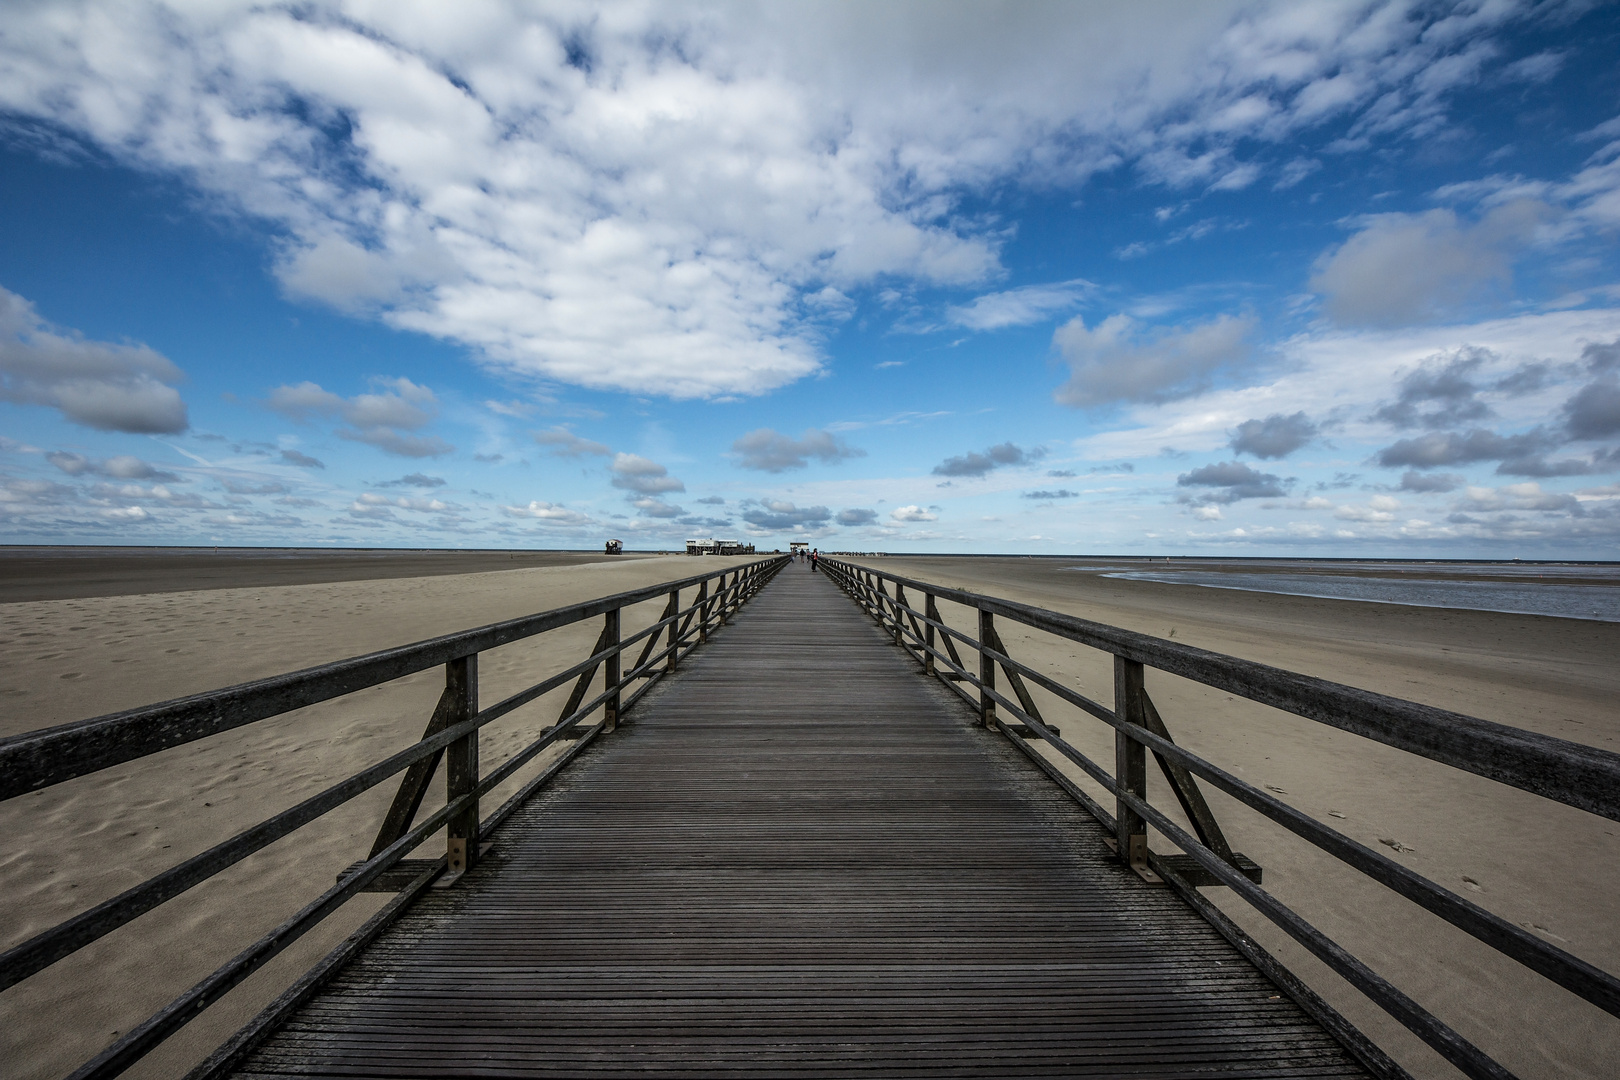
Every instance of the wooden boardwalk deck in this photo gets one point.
(798, 857)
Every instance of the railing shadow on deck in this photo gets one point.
(34, 761)
(1579, 776)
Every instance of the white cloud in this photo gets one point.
(1019, 307)
(1351, 373)
(565, 443)
(669, 216)
(1407, 268)
(95, 383)
(550, 513)
(1378, 509)
(375, 419)
(769, 450)
(642, 476)
(1117, 361)
(779, 515)
(912, 513)
(121, 467)
(1529, 496)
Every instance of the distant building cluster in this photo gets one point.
(711, 546)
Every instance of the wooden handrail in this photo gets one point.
(1581, 776)
(51, 755)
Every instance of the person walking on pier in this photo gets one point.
(814, 556)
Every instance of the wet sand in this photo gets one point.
(1547, 867)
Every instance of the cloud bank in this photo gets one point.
(677, 200)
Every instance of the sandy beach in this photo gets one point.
(1544, 866)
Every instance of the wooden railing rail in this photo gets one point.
(1576, 775)
(53, 755)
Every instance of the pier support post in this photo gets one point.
(1130, 762)
(674, 631)
(928, 633)
(461, 764)
(987, 669)
(610, 666)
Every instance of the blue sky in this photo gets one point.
(1333, 279)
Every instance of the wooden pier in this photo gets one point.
(799, 856)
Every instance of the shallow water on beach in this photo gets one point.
(1597, 602)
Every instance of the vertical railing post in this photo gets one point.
(702, 604)
(610, 636)
(928, 633)
(728, 594)
(674, 628)
(987, 669)
(1130, 762)
(461, 764)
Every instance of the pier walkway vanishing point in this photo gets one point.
(800, 857)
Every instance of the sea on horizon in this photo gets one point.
(1512, 588)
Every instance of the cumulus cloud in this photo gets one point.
(977, 464)
(769, 450)
(653, 507)
(303, 461)
(1276, 436)
(1425, 483)
(99, 384)
(1120, 361)
(1527, 496)
(1408, 268)
(1600, 357)
(1440, 448)
(1229, 481)
(407, 502)
(911, 513)
(122, 467)
(385, 418)
(1019, 307)
(1442, 392)
(1594, 411)
(565, 443)
(642, 476)
(1379, 509)
(548, 513)
(856, 517)
(777, 515)
(1048, 496)
(415, 479)
(662, 215)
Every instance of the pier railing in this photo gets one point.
(50, 756)
(1570, 773)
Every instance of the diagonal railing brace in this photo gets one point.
(414, 785)
(1186, 789)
